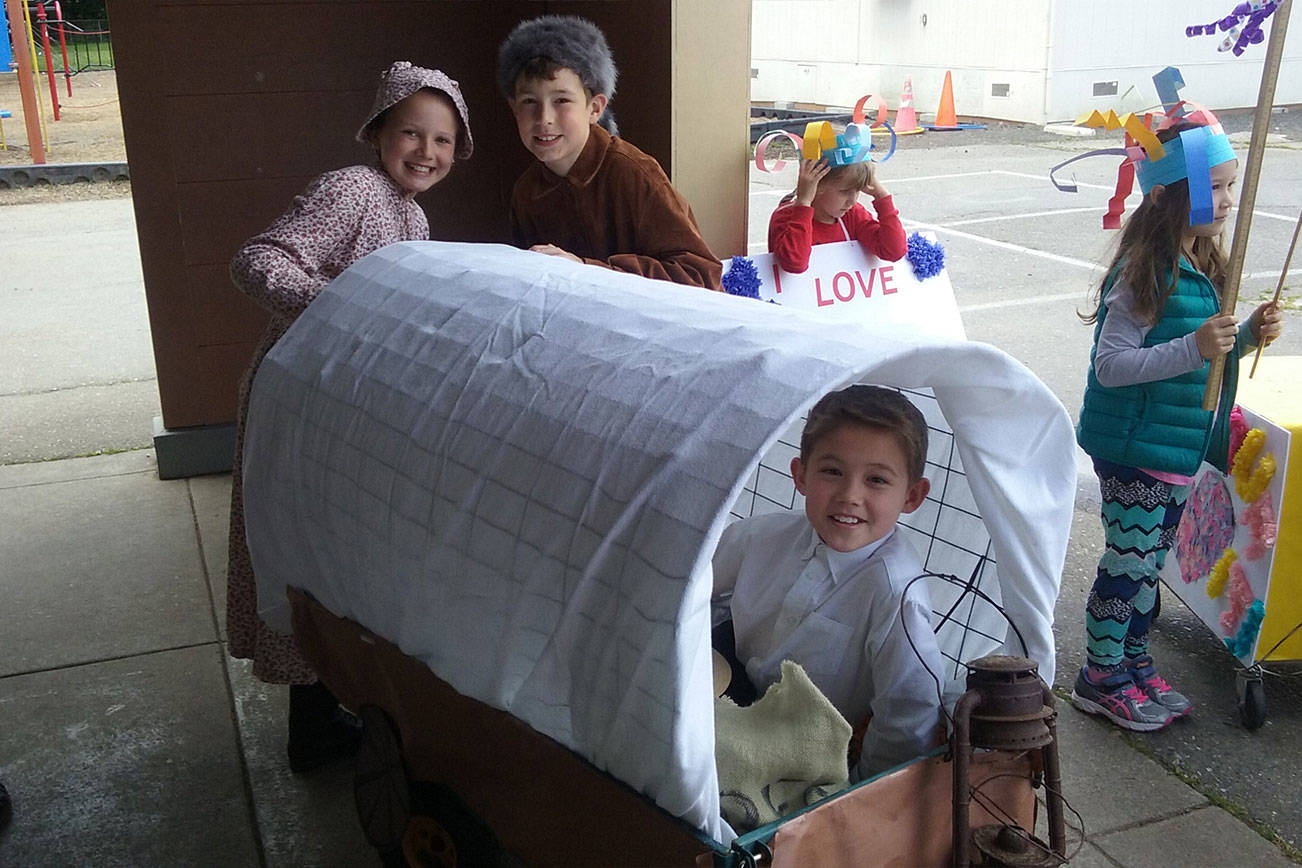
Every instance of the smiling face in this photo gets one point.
(554, 116)
(417, 140)
(832, 200)
(856, 483)
(1223, 181)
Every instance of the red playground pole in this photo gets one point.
(63, 46)
(49, 63)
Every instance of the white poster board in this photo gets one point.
(1216, 519)
(846, 283)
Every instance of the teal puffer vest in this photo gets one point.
(1161, 425)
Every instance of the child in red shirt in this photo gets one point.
(824, 208)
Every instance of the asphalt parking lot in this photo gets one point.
(1022, 258)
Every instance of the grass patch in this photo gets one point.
(1287, 300)
(85, 51)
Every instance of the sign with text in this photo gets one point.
(846, 283)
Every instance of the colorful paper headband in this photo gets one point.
(1190, 155)
(1239, 38)
(820, 141)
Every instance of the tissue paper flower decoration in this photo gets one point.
(1240, 597)
(926, 257)
(1220, 574)
(1238, 430)
(1260, 521)
(1206, 528)
(1241, 645)
(741, 278)
(1250, 475)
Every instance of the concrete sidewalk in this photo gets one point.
(128, 737)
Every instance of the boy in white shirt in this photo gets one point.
(827, 589)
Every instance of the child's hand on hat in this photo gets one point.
(874, 186)
(811, 172)
(553, 250)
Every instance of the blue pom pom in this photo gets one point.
(926, 257)
(1241, 645)
(742, 278)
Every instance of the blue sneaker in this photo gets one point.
(1118, 698)
(1145, 675)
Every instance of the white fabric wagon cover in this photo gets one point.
(516, 468)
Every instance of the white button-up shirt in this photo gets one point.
(844, 617)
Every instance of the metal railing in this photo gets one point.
(73, 46)
(88, 45)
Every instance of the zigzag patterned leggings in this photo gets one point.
(1140, 515)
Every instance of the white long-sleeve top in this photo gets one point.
(845, 618)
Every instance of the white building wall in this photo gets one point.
(1128, 48)
(1045, 55)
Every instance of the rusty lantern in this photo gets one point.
(1006, 707)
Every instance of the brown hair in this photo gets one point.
(874, 407)
(1150, 246)
(853, 176)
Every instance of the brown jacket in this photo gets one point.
(615, 208)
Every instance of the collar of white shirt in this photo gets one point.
(840, 564)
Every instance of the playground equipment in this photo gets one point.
(25, 57)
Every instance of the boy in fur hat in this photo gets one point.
(591, 197)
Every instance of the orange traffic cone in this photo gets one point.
(906, 119)
(945, 116)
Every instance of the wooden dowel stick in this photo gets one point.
(1248, 199)
(1288, 260)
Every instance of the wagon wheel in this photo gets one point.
(380, 782)
(427, 844)
(1252, 698)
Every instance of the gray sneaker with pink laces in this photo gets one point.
(1118, 698)
(1145, 675)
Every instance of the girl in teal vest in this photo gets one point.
(1156, 325)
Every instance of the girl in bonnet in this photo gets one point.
(417, 127)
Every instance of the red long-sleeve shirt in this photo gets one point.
(793, 231)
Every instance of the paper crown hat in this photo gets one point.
(1190, 155)
(821, 142)
(400, 81)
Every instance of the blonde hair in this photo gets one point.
(851, 177)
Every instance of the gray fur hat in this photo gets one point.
(568, 40)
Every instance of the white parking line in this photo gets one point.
(1006, 245)
(1045, 177)
(1022, 216)
(1017, 302)
(942, 177)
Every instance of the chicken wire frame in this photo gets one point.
(947, 531)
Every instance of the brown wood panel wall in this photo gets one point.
(230, 108)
